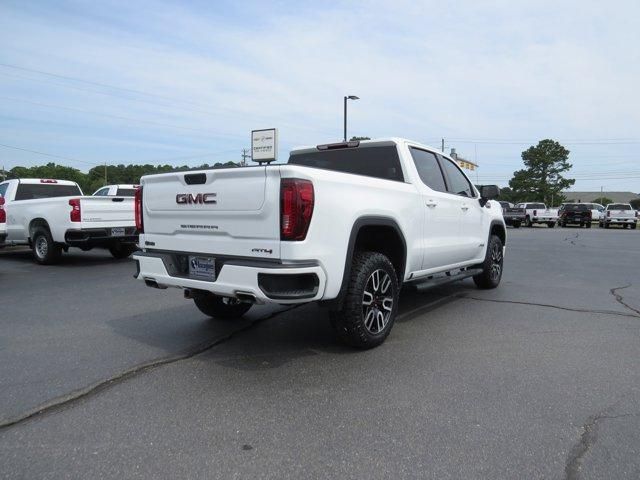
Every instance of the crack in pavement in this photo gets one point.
(620, 299)
(585, 443)
(101, 385)
(547, 305)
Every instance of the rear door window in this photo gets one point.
(31, 191)
(429, 169)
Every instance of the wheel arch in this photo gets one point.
(37, 223)
(379, 234)
(497, 228)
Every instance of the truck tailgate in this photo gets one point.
(107, 211)
(232, 211)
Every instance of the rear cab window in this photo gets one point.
(576, 207)
(375, 160)
(537, 206)
(33, 191)
(619, 206)
(126, 192)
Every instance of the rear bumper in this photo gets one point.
(265, 282)
(620, 221)
(99, 237)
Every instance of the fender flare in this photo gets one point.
(367, 221)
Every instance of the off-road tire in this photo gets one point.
(353, 323)
(45, 250)
(216, 306)
(121, 251)
(492, 265)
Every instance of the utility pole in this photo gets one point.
(442, 146)
(245, 155)
(105, 173)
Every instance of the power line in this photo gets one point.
(49, 155)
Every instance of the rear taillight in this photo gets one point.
(296, 208)
(3, 212)
(608, 213)
(138, 210)
(75, 213)
(535, 213)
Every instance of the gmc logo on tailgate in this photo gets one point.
(201, 198)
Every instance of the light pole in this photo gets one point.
(348, 97)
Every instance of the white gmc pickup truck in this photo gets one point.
(345, 224)
(52, 215)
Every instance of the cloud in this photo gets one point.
(423, 70)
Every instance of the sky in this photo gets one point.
(185, 82)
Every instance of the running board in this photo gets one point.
(442, 279)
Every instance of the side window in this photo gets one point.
(3, 189)
(103, 192)
(458, 182)
(428, 169)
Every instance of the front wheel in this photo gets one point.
(45, 250)
(370, 305)
(527, 222)
(220, 307)
(492, 265)
(120, 251)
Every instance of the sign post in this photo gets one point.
(264, 145)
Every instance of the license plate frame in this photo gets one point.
(202, 268)
(118, 232)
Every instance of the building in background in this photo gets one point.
(463, 162)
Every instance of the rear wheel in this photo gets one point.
(45, 250)
(370, 305)
(220, 307)
(492, 265)
(516, 224)
(527, 222)
(588, 225)
(606, 225)
(633, 226)
(551, 224)
(624, 226)
(121, 251)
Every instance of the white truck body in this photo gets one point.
(31, 204)
(537, 213)
(116, 191)
(231, 221)
(619, 214)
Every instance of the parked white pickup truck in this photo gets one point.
(3, 222)
(619, 214)
(345, 224)
(539, 213)
(53, 215)
(116, 191)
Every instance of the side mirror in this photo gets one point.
(489, 192)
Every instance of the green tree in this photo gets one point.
(602, 200)
(635, 203)
(542, 179)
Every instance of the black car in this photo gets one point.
(574, 214)
(512, 216)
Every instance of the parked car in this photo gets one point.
(539, 213)
(3, 221)
(619, 214)
(344, 224)
(574, 214)
(596, 211)
(52, 215)
(512, 215)
(116, 191)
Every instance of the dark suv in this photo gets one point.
(574, 214)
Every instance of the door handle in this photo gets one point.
(431, 203)
(464, 207)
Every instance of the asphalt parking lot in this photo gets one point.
(105, 378)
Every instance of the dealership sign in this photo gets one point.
(264, 145)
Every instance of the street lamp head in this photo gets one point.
(353, 97)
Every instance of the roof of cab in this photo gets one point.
(380, 141)
(46, 181)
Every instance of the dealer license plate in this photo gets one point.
(117, 232)
(203, 267)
